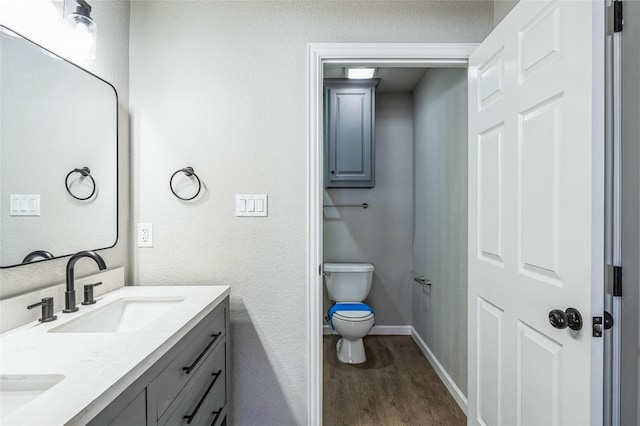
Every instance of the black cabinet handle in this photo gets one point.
(215, 378)
(217, 413)
(190, 368)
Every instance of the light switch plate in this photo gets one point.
(24, 204)
(251, 205)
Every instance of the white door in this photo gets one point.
(536, 188)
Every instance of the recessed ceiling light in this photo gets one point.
(360, 72)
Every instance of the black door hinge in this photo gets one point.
(320, 269)
(617, 281)
(618, 20)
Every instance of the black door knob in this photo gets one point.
(575, 319)
(558, 319)
(570, 318)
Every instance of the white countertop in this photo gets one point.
(97, 366)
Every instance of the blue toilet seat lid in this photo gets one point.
(362, 307)
(351, 311)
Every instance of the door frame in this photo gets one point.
(428, 55)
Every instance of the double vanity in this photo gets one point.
(139, 356)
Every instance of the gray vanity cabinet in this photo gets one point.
(349, 132)
(190, 382)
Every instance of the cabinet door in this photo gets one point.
(124, 411)
(134, 414)
(349, 136)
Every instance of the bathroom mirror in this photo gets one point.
(58, 155)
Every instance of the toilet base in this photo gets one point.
(351, 351)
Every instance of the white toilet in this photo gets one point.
(348, 284)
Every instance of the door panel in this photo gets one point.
(538, 189)
(490, 190)
(538, 377)
(489, 362)
(536, 196)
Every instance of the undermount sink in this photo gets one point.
(120, 316)
(18, 390)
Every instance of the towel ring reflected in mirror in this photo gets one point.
(188, 171)
(84, 172)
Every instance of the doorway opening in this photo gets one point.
(320, 55)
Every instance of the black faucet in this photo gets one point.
(70, 293)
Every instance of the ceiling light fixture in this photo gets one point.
(360, 73)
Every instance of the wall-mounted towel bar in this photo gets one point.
(422, 281)
(363, 205)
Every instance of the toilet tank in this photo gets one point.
(348, 282)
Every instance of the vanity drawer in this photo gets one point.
(203, 400)
(195, 348)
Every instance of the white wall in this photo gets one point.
(630, 397)
(111, 64)
(381, 234)
(440, 215)
(221, 86)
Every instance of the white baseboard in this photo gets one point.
(380, 330)
(451, 386)
(391, 330)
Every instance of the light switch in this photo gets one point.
(251, 204)
(24, 204)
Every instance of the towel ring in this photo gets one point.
(84, 172)
(190, 173)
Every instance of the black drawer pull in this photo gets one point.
(215, 378)
(190, 368)
(217, 413)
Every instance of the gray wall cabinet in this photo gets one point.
(349, 123)
(168, 394)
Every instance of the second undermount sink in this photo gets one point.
(120, 316)
(18, 390)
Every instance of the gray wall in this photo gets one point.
(440, 215)
(221, 86)
(111, 64)
(630, 212)
(381, 234)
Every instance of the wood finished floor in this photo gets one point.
(395, 386)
